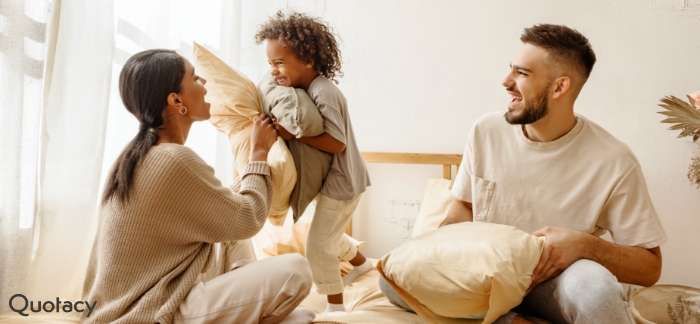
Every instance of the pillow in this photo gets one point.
(463, 269)
(437, 200)
(298, 114)
(234, 103)
(292, 107)
(234, 98)
(666, 304)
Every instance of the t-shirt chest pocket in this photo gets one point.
(483, 192)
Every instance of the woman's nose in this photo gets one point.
(204, 81)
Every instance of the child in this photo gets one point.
(303, 53)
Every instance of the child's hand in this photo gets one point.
(281, 131)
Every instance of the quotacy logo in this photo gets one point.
(48, 306)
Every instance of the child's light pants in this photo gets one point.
(237, 289)
(326, 244)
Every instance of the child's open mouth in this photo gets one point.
(281, 81)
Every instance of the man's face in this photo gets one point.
(528, 84)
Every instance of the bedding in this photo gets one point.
(437, 200)
(364, 303)
(666, 304)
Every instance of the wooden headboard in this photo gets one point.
(446, 160)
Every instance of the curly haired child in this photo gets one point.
(303, 53)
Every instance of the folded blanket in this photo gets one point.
(298, 114)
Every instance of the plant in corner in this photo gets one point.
(686, 117)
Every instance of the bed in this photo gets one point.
(365, 302)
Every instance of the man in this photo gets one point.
(554, 173)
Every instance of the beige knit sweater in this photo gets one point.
(149, 251)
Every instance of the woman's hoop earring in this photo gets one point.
(183, 112)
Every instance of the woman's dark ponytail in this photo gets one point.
(145, 82)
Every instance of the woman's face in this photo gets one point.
(192, 94)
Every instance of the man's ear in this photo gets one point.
(562, 86)
(174, 100)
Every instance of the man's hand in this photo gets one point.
(562, 248)
(281, 131)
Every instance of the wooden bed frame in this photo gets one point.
(446, 160)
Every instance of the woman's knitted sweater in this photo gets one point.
(149, 251)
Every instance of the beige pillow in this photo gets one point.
(234, 103)
(666, 304)
(437, 200)
(463, 269)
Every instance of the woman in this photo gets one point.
(154, 259)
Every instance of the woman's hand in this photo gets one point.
(261, 138)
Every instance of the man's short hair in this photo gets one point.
(566, 46)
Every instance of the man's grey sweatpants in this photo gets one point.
(584, 293)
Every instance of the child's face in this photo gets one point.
(287, 68)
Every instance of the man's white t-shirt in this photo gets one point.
(586, 181)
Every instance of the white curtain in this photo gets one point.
(55, 83)
(22, 42)
(63, 123)
(77, 90)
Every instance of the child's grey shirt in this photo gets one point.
(347, 177)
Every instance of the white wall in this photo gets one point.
(419, 73)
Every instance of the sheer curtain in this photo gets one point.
(55, 83)
(78, 75)
(22, 42)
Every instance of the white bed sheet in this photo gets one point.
(364, 303)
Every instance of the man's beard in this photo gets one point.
(531, 112)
